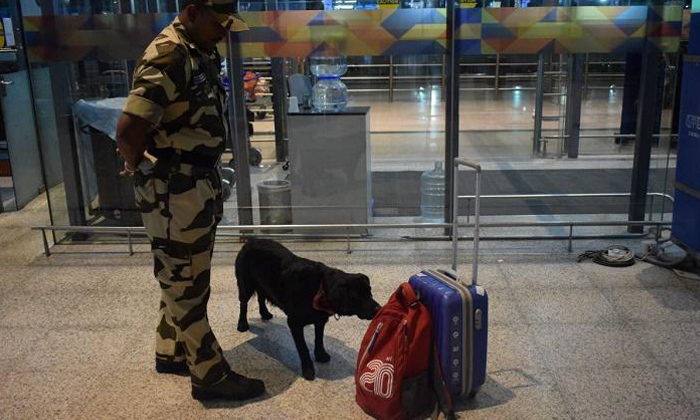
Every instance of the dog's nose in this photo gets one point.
(370, 311)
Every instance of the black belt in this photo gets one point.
(170, 155)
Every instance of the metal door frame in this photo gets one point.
(15, 7)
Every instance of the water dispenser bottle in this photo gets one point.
(432, 195)
(329, 93)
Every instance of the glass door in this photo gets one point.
(20, 163)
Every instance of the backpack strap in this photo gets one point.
(439, 387)
(408, 296)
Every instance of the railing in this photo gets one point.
(540, 146)
(244, 231)
(497, 76)
(663, 196)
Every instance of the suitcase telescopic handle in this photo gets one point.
(455, 213)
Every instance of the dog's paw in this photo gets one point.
(322, 356)
(242, 326)
(266, 316)
(309, 373)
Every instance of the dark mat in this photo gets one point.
(398, 193)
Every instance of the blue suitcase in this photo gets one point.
(459, 311)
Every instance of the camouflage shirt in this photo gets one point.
(177, 87)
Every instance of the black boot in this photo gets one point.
(175, 368)
(235, 388)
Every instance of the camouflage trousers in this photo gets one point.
(181, 209)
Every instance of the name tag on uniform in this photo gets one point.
(200, 89)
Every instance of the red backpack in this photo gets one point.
(397, 377)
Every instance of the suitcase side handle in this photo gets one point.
(455, 213)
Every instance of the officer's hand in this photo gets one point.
(127, 172)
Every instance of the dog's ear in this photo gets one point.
(338, 290)
(334, 283)
(364, 279)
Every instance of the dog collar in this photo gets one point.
(321, 303)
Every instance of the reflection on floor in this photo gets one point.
(495, 127)
(424, 110)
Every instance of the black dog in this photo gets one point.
(307, 291)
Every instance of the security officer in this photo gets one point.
(176, 112)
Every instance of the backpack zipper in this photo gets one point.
(372, 342)
(405, 332)
(402, 352)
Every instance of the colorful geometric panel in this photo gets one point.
(376, 32)
(91, 37)
(665, 27)
(587, 29)
(348, 32)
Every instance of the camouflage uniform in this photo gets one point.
(177, 88)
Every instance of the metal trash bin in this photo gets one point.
(116, 194)
(275, 197)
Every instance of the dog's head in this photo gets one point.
(350, 294)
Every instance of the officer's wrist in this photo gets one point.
(129, 168)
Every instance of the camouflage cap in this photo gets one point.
(228, 12)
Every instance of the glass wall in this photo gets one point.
(77, 99)
(21, 177)
(7, 65)
(557, 132)
(526, 89)
(400, 129)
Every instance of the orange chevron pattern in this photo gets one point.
(588, 29)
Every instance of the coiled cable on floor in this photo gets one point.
(612, 256)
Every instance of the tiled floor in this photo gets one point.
(567, 340)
